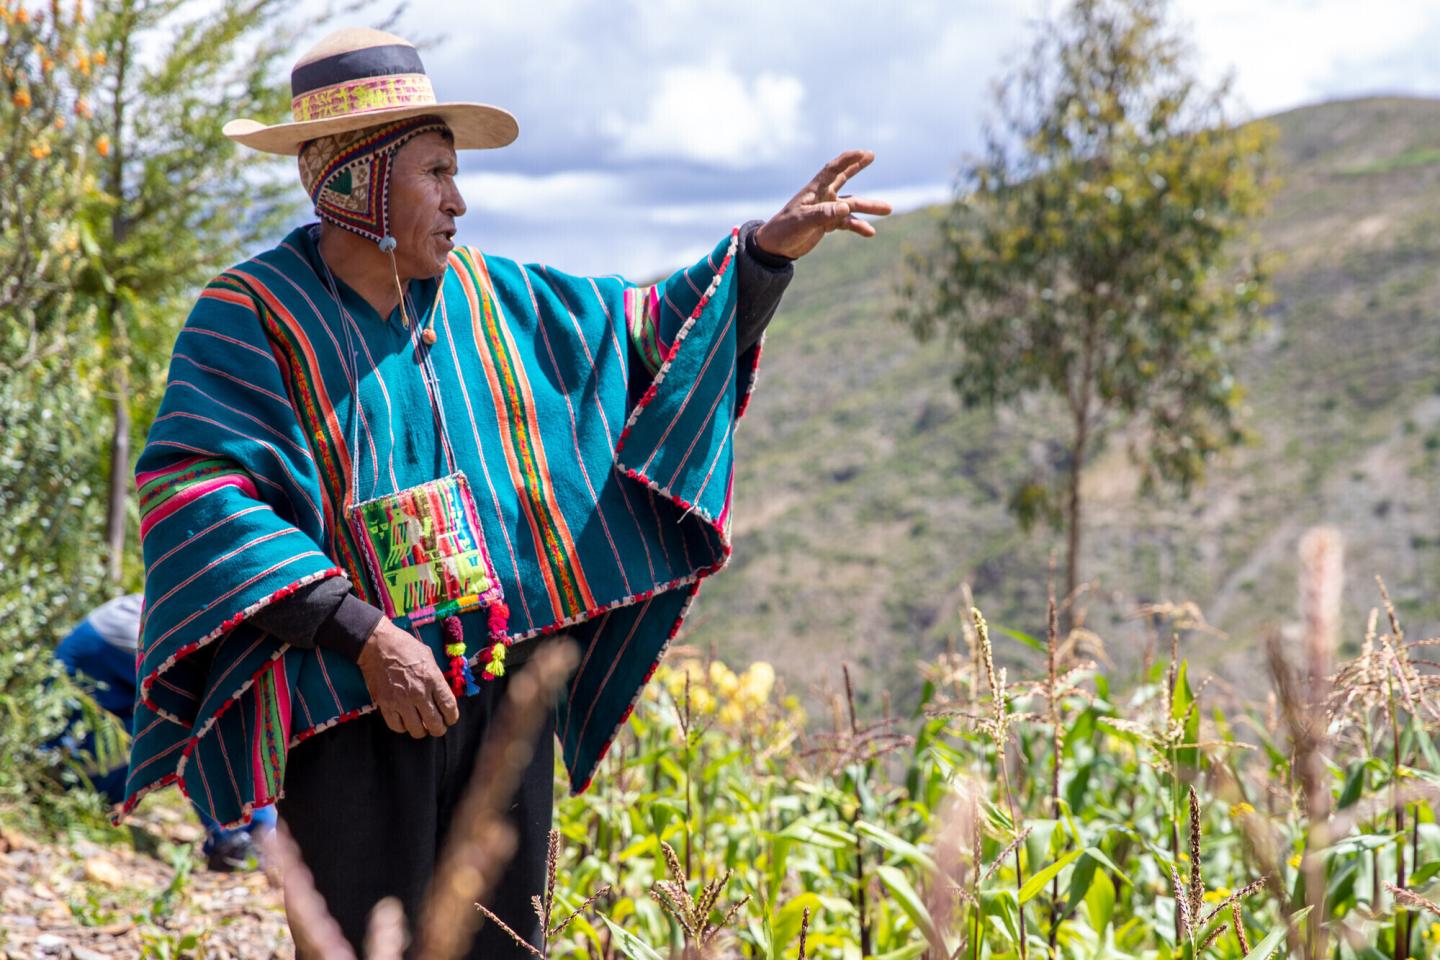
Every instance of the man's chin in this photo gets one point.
(435, 269)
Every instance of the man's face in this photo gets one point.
(424, 203)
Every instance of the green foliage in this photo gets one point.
(1092, 253)
(50, 572)
(175, 201)
(898, 838)
(46, 75)
(120, 198)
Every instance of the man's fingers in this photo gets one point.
(855, 225)
(833, 210)
(837, 172)
(878, 208)
(413, 726)
(392, 719)
(856, 159)
(430, 717)
(445, 701)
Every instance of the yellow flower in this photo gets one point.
(673, 678)
(40, 150)
(102, 146)
(732, 714)
(1241, 809)
(99, 58)
(1294, 860)
(722, 679)
(757, 682)
(22, 99)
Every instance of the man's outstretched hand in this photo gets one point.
(405, 682)
(820, 208)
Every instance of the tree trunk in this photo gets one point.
(120, 477)
(1073, 515)
(115, 523)
(1072, 518)
(1080, 410)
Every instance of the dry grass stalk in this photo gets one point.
(1401, 675)
(804, 932)
(1012, 847)
(1182, 907)
(998, 725)
(693, 913)
(545, 906)
(481, 841)
(972, 644)
(954, 854)
(1412, 899)
(1395, 648)
(386, 938)
(1305, 727)
(1192, 918)
(506, 929)
(1162, 731)
(850, 741)
(1197, 880)
(1233, 901)
(1181, 617)
(1052, 702)
(1322, 582)
(1237, 923)
(1052, 713)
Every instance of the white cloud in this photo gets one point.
(555, 196)
(1285, 53)
(917, 196)
(649, 125)
(711, 115)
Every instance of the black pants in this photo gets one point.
(371, 810)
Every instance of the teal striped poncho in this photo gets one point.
(593, 418)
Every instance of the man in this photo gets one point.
(100, 653)
(383, 465)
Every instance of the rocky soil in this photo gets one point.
(146, 894)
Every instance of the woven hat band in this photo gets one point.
(378, 60)
(363, 96)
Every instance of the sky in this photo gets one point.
(648, 129)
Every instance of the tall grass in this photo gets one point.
(1064, 814)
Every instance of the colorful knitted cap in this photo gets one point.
(347, 175)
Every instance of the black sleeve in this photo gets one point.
(763, 278)
(321, 614)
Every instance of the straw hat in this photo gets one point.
(356, 78)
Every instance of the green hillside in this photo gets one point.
(866, 495)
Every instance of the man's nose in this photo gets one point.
(454, 203)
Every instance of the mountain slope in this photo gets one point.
(866, 495)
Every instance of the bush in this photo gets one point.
(51, 559)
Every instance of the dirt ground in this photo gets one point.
(147, 894)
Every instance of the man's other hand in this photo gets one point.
(405, 682)
(819, 208)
